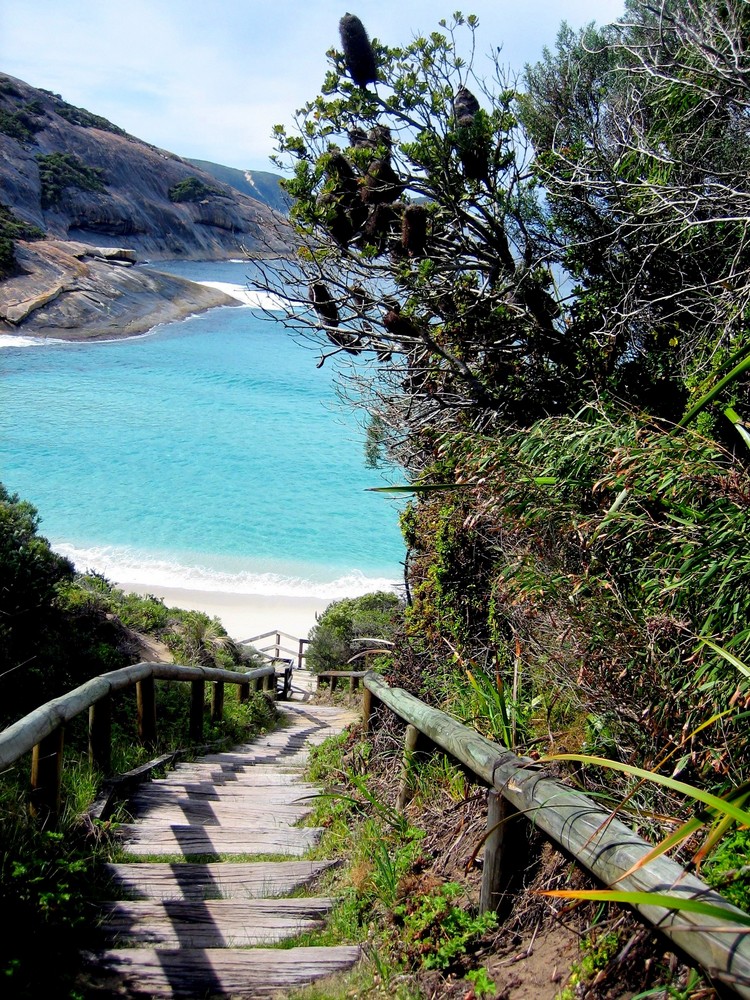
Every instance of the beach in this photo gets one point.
(243, 615)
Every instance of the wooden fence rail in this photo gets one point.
(276, 649)
(604, 845)
(41, 731)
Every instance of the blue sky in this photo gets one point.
(210, 80)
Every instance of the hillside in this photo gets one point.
(75, 189)
(260, 184)
(76, 176)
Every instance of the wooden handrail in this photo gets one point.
(265, 635)
(22, 736)
(299, 652)
(41, 731)
(604, 845)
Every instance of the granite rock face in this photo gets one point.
(74, 291)
(133, 206)
(106, 200)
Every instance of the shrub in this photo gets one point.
(332, 640)
(12, 228)
(191, 189)
(22, 124)
(58, 171)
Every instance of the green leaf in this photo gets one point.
(654, 899)
(729, 657)
(712, 801)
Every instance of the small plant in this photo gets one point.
(597, 953)
(435, 931)
(482, 982)
(58, 171)
(191, 189)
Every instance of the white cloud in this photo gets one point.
(211, 82)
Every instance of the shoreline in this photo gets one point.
(64, 291)
(242, 615)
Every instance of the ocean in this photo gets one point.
(209, 454)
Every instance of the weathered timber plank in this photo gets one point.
(143, 839)
(221, 814)
(249, 974)
(215, 880)
(266, 794)
(222, 923)
(602, 844)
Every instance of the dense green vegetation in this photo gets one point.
(58, 171)
(338, 635)
(539, 292)
(86, 119)
(23, 123)
(11, 229)
(191, 189)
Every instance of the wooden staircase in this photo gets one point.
(195, 925)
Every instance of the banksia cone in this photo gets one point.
(465, 106)
(414, 229)
(323, 304)
(358, 54)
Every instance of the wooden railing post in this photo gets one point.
(46, 776)
(369, 706)
(100, 734)
(197, 698)
(269, 685)
(415, 745)
(217, 702)
(244, 692)
(146, 698)
(504, 855)
(300, 653)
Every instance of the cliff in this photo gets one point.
(76, 176)
(81, 201)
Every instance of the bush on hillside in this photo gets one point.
(58, 171)
(333, 639)
(191, 189)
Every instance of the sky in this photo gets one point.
(209, 80)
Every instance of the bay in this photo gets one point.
(210, 453)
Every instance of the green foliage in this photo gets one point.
(333, 639)
(45, 880)
(597, 951)
(58, 171)
(728, 870)
(86, 119)
(191, 189)
(23, 123)
(482, 982)
(435, 932)
(11, 227)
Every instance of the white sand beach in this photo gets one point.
(243, 615)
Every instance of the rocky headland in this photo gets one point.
(82, 202)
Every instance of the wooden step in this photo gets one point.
(218, 923)
(215, 880)
(235, 812)
(144, 839)
(243, 974)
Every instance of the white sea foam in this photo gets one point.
(256, 300)
(17, 340)
(124, 564)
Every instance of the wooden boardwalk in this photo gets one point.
(195, 925)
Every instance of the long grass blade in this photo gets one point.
(664, 899)
(712, 801)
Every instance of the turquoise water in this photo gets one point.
(208, 454)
